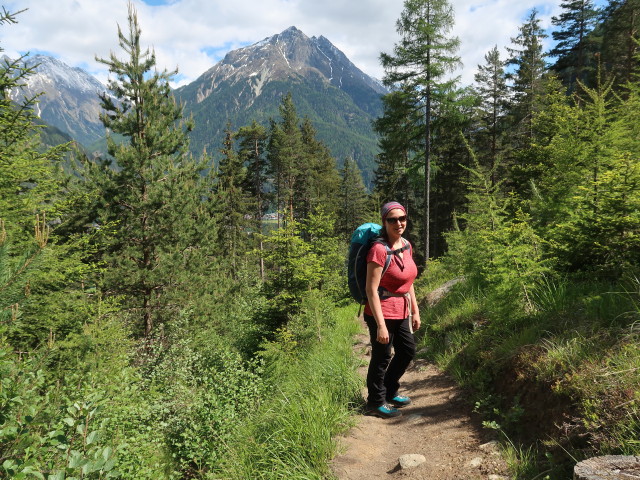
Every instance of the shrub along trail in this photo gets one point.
(439, 425)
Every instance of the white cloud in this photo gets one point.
(194, 34)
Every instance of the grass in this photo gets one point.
(575, 358)
(293, 435)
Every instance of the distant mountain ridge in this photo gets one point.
(70, 101)
(340, 100)
(284, 56)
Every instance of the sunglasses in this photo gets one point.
(394, 220)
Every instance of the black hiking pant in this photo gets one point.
(385, 368)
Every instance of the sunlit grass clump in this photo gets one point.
(314, 391)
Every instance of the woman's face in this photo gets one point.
(395, 222)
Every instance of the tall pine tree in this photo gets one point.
(232, 203)
(28, 177)
(527, 57)
(252, 151)
(152, 200)
(619, 51)
(41, 274)
(285, 155)
(420, 61)
(319, 178)
(400, 132)
(352, 198)
(493, 96)
(574, 43)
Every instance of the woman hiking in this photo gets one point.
(391, 313)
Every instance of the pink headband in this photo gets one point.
(387, 207)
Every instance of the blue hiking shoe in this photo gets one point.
(399, 401)
(384, 411)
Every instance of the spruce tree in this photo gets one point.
(285, 155)
(29, 179)
(575, 24)
(420, 61)
(451, 157)
(252, 152)
(319, 178)
(619, 51)
(352, 197)
(400, 135)
(526, 167)
(527, 79)
(293, 269)
(151, 207)
(496, 250)
(594, 186)
(232, 203)
(40, 276)
(493, 97)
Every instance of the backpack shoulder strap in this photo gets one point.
(406, 246)
(390, 252)
(387, 261)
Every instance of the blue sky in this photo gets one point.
(194, 34)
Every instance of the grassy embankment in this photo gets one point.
(561, 382)
(314, 389)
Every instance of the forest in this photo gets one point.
(163, 315)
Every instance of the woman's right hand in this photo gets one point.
(383, 335)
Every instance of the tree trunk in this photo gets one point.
(261, 261)
(148, 317)
(427, 167)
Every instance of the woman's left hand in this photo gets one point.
(416, 322)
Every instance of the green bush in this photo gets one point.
(48, 431)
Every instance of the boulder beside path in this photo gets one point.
(608, 467)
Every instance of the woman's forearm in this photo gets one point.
(376, 307)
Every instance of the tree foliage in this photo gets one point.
(492, 110)
(152, 196)
(29, 179)
(352, 198)
(419, 64)
(527, 57)
(574, 44)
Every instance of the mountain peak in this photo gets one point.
(283, 57)
(72, 77)
(70, 101)
(249, 82)
(292, 30)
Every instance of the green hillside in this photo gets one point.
(344, 126)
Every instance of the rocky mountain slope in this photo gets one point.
(287, 56)
(69, 99)
(249, 82)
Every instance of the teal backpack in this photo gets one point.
(361, 241)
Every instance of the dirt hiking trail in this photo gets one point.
(438, 425)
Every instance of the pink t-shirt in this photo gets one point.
(397, 279)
